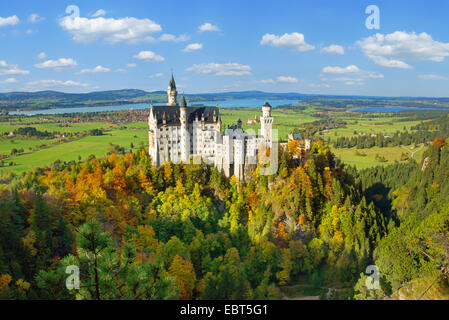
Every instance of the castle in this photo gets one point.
(179, 133)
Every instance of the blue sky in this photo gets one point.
(319, 46)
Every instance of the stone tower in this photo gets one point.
(185, 136)
(266, 124)
(172, 93)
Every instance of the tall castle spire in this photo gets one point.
(171, 92)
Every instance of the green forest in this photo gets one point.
(185, 231)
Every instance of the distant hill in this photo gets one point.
(55, 99)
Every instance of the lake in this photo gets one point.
(392, 109)
(238, 103)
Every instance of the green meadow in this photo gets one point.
(84, 147)
(391, 154)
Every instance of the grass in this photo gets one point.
(391, 154)
(84, 147)
(72, 127)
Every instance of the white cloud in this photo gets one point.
(9, 81)
(319, 85)
(156, 75)
(60, 64)
(267, 81)
(340, 70)
(127, 29)
(56, 83)
(131, 65)
(149, 56)
(208, 27)
(172, 38)
(226, 69)
(99, 13)
(11, 69)
(333, 48)
(351, 81)
(373, 75)
(432, 77)
(193, 47)
(354, 75)
(294, 41)
(41, 55)
(121, 70)
(392, 50)
(97, 69)
(287, 79)
(34, 18)
(9, 21)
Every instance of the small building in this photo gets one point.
(251, 121)
(11, 134)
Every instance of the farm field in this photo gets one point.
(391, 154)
(56, 127)
(84, 147)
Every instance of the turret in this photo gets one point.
(183, 109)
(266, 110)
(172, 93)
(266, 124)
(185, 138)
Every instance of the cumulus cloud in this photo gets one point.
(333, 49)
(208, 27)
(294, 41)
(225, 69)
(149, 56)
(131, 65)
(340, 70)
(11, 69)
(9, 81)
(41, 55)
(97, 69)
(432, 77)
(394, 49)
(267, 81)
(351, 81)
(34, 18)
(99, 13)
(172, 38)
(353, 74)
(9, 21)
(60, 64)
(287, 79)
(193, 47)
(55, 84)
(127, 29)
(319, 85)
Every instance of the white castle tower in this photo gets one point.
(172, 93)
(266, 124)
(185, 136)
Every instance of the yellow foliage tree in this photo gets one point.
(184, 274)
